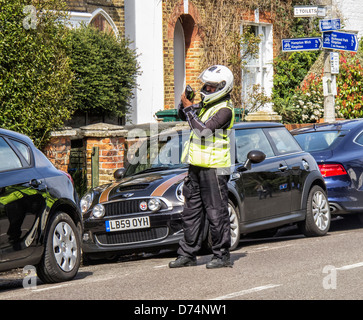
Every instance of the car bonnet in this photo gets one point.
(153, 184)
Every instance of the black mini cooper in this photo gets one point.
(40, 221)
(272, 183)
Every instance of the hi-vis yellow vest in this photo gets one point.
(212, 151)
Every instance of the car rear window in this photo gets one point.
(8, 158)
(23, 148)
(283, 140)
(318, 140)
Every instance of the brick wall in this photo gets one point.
(58, 151)
(174, 10)
(111, 141)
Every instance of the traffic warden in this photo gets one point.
(208, 154)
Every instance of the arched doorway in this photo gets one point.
(179, 62)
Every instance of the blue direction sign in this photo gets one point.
(301, 44)
(340, 41)
(329, 25)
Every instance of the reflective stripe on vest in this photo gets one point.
(213, 151)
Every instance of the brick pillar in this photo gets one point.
(59, 148)
(111, 141)
(111, 156)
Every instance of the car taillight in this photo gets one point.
(68, 175)
(334, 169)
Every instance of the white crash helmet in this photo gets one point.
(217, 76)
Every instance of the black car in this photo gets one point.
(273, 183)
(40, 222)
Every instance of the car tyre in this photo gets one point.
(62, 250)
(235, 228)
(317, 221)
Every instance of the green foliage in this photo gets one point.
(349, 100)
(305, 105)
(35, 77)
(105, 71)
(290, 70)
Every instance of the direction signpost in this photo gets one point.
(301, 44)
(329, 25)
(331, 40)
(340, 41)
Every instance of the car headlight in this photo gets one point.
(154, 204)
(98, 211)
(86, 202)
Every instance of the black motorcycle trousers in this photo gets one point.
(206, 195)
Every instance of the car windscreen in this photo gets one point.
(157, 153)
(319, 140)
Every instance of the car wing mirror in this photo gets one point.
(119, 174)
(254, 156)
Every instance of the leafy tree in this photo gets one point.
(105, 71)
(35, 76)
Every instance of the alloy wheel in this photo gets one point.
(321, 211)
(65, 246)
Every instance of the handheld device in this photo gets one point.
(189, 92)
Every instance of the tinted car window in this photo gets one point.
(318, 140)
(252, 139)
(359, 139)
(8, 158)
(162, 152)
(23, 148)
(283, 140)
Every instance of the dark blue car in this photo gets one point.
(338, 149)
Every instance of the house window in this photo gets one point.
(258, 70)
(100, 23)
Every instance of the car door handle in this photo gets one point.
(282, 168)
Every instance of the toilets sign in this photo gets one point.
(309, 11)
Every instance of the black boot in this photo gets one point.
(183, 261)
(217, 262)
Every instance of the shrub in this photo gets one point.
(35, 76)
(349, 100)
(105, 71)
(306, 104)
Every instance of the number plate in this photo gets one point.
(127, 224)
